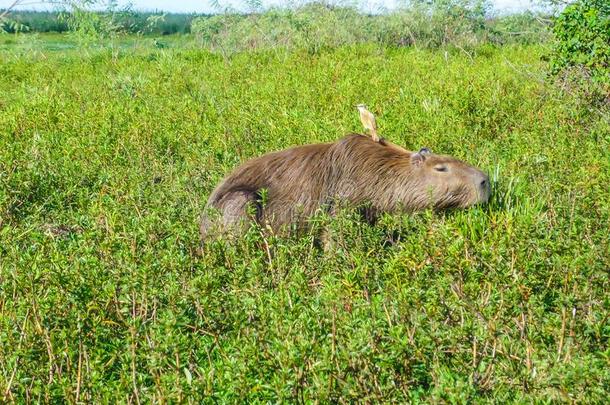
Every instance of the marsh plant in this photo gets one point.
(106, 164)
(107, 160)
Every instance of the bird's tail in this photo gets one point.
(374, 133)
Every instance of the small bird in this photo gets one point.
(368, 121)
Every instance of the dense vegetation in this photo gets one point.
(583, 39)
(110, 144)
(316, 26)
(125, 20)
(107, 157)
(428, 24)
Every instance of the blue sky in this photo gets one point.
(206, 5)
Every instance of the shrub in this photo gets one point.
(523, 28)
(318, 25)
(582, 31)
(313, 26)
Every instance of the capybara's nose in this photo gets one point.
(484, 188)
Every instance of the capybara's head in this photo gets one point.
(447, 182)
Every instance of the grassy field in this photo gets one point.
(107, 158)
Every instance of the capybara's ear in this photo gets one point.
(418, 158)
(424, 151)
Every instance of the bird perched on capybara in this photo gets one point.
(287, 187)
(368, 121)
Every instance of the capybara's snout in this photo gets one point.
(483, 187)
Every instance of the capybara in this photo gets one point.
(287, 187)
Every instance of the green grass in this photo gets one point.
(106, 161)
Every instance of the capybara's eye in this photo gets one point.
(441, 168)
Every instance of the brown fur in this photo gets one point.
(291, 185)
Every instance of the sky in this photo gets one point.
(206, 6)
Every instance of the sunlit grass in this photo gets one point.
(107, 159)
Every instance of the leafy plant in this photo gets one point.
(582, 31)
(90, 25)
(6, 23)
